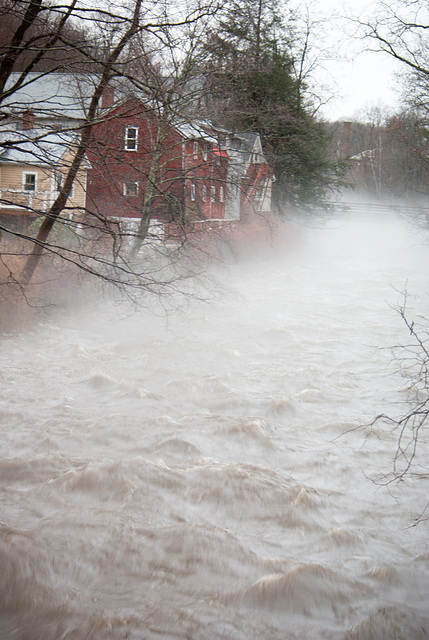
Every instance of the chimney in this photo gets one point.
(107, 98)
(27, 120)
(346, 144)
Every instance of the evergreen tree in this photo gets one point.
(253, 87)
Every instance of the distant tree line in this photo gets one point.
(399, 141)
(387, 155)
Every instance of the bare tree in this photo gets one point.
(97, 39)
(169, 79)
(401, 30)
(413, 363)
(258, 71)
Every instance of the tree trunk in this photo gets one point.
(59, 204)
(151, 189)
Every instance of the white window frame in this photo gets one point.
(193, 192)
(213, 193)
(58, 178)
(59, 182)
(259, 194)
(24, 181)
(126, 186)
(204, 193)
(221, 195)
(134, 139)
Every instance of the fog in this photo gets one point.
(207, 474)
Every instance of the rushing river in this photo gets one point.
(204, 475)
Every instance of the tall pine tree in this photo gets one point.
(251, 80)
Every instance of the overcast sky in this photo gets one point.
(359, 80)
(360, 85)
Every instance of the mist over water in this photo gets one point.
(200, 475)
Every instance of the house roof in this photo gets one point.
(33, 147)
(247, 142)
(194, 130)
(53, 95)
(368, 153)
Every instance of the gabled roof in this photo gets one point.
(194, 130)
(34, 147)
(368, 153)
(247, 143)
(53, 95)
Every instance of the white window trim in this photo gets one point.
(193, 192)
(130, 195)
(24, 176)
(221, 194)
(59, 183)
(204, 193)
(127, 139)
(260, 194)
(213, 194)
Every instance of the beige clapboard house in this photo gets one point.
(32, 174)
(38, 138)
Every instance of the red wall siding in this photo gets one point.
(207, 171)
(113, 165)
(181, 167)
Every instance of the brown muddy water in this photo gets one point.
(201, 476)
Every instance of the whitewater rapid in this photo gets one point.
(205, 474)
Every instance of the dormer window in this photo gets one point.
(131, 138)
(195, 150)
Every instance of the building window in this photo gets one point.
(192, 192)
(59, 182)
(220, 194)
(259, 194)
(58, 177)
(131, 138)
(213, 194)
(29, 181)
(131, 189)
(203, 193)
(195, 150)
